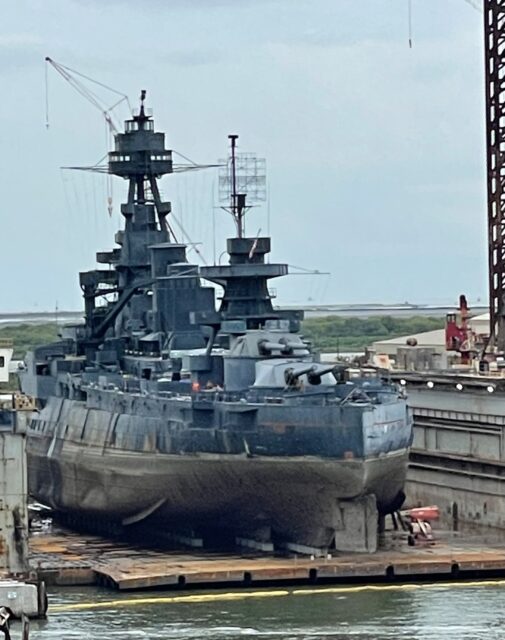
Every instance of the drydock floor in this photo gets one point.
(70, 558)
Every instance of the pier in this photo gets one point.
(68, 558)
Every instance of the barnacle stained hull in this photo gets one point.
(237, 486)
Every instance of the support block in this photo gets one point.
(257, 545)
(303, 549)
(357, 531)
(187, 539)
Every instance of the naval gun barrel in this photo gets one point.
(314, 377)
(266, 345)
(294, 346)
(291, 376)
(284, 346)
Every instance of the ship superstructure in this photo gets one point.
(163, 407)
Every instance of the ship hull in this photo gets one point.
(294, 471)
(296, 498)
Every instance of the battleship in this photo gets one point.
(165, 408)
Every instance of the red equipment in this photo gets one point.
(419, 527)
(460, 337)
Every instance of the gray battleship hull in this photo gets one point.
(299, 497)
(164, 405)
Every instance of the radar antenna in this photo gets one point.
(241, 175)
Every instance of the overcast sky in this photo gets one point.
(375, 152)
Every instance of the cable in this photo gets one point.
(82, 75)
(410, 22)
(476, 6)
(187, 238)
(47, 96)
(305, 271)
(68, 74)
(184, 157)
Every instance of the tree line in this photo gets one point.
(330, 333)
(339, 334)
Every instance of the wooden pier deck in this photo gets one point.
(69, 558)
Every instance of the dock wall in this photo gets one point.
(458, 454)
(13, 492)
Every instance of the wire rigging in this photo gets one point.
(70, 76)
(47, 95)
(187, 238)
(178, 153)
(475, 5)
(409, 5)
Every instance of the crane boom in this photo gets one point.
(494, 53)
(70, 75)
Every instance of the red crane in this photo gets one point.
(459, 336)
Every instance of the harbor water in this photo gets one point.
(450, 611)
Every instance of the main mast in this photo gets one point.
(140, 157)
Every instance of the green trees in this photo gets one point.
(335, 333)
(331, 333)
(27, 336)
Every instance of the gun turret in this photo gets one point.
(291, 376)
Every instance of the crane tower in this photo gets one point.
(494, 52)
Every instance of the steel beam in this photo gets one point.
(494, 34)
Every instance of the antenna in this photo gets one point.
(236, 209)
(142, 113)
(241, 175)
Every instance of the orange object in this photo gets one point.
(424, 513)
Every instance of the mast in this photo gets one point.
(140, 157)
(237, 204)
(245, 279)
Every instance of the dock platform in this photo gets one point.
(69, 558)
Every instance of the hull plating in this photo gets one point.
(296, 496)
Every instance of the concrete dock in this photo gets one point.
(69, 558)
(20, 589)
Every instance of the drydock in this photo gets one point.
(67, 558)
(21, 590)
(103, 382)
(458, 454)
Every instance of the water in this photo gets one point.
(470, 612)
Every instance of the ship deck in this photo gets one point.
(70, 558)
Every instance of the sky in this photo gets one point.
(374, 151)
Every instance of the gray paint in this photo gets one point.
(125, 431)
(458, 451)
(13, 494)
